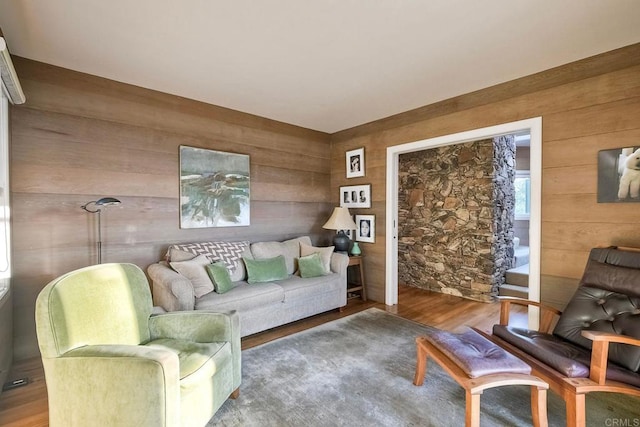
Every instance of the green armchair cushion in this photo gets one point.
(198, 361)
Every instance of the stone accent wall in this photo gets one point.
(456, 217)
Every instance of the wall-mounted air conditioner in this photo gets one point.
(10, 83)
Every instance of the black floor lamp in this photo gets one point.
(98, 204)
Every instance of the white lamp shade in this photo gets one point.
(340, 220)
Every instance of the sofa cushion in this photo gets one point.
(265, 270)
(325, 253)
(607, 300)
(597, 309)
(229, 253)
(474, 354)
(243, 297)
(289, 249)
(571, 360)
(194, 270)
(311, 266)
(220, 277)
(296, 287)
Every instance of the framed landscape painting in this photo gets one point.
(214, 188)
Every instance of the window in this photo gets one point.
(5, 255)
(523, 194)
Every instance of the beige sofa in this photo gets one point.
(260, 306)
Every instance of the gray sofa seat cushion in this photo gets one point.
(296, 287)
(242, 297)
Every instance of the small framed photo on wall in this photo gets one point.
(619, 175)
(366, 231)
(355, 196)
(350, 233)
(355, 163)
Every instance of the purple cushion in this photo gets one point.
(476, 355)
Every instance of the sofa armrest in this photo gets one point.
(547, 314)
(600, 351)
(171, 290)
(339, 263)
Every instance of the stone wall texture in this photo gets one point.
(456, 217)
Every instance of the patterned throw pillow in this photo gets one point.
(229, 253)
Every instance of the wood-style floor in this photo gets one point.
(27, 406)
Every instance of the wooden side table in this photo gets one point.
(359, 285)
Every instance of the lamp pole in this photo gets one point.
(105, 201)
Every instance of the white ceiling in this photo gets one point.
(325, 64)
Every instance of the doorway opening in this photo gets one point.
(516, 282)
(532, 127)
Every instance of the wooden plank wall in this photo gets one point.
(586, 106)
(81, 137)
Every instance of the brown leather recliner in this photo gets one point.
(595, 345)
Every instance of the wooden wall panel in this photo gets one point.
(81, 137)
(585, 106)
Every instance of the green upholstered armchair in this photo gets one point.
(109, 362)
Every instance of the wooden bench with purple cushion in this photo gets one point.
(477, 364)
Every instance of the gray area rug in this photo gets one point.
(358, 371)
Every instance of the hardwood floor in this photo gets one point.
(27, 406)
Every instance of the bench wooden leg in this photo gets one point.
(539, 407)
(235, 393)
(421, 363)
(472, 410)
(575, 410)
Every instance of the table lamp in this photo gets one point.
(340, 220)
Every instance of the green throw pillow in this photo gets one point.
(311, 265)
(220, 277)
(266, 270)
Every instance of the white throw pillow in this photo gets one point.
(325, 253)
(195, 270)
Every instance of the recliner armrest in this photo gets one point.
(547, 314)
(600, 351)
(609, 337)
